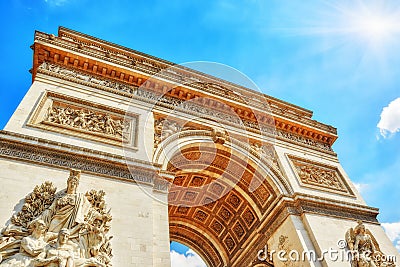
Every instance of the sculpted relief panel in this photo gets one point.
(319, 176)
(66, 114)
(365, 249)
(60, 229)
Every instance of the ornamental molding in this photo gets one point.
(136, 61)
(300, 205)
(290, 205)
(319, 176)
(186, 107)
(85, 79)
(94, 165)
(265, 155)
(334, 208)
(95, 47)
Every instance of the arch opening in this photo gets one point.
(213, 210)
(182, 255)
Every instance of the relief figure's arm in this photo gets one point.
(48, 213)
(44, 262)
(28, 247)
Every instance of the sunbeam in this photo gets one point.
(372, 28)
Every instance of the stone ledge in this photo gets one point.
(43, 152)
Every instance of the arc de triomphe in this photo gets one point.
(164, 153)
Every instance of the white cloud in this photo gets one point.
(390, 119)
(190, 259)
(393, 232)
(56, 2)
(360, 187)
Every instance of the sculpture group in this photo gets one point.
(365, 248)
(88, 120)
(61, 229)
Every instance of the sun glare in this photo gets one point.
(373, 27)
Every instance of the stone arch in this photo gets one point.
(178, 141)
(222, 225)
(203, 245)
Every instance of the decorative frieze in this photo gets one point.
(51, 157)
(87, 120)
(319, 176)
(179, 105)
(85, 78)
(166, 70)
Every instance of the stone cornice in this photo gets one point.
(335, 208)
(91, 55)
(44, 152)
(179, 73)
(299, 205)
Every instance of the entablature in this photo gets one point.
(130, 70)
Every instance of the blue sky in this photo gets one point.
(338, 58)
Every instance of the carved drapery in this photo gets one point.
(83, 219)
(87, 120)
(365, 249)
